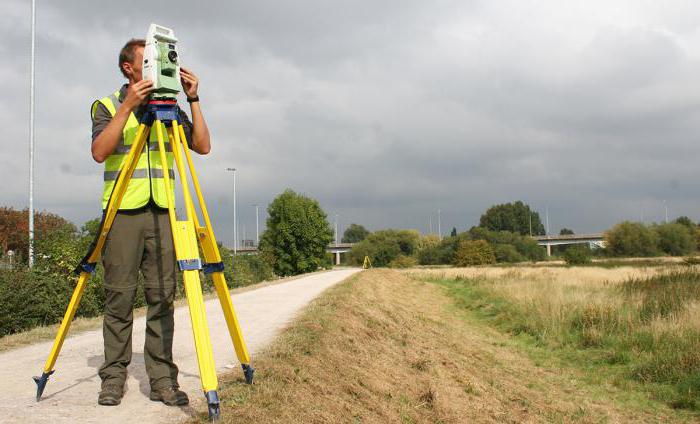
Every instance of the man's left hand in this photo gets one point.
(190, 82)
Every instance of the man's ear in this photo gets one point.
(128, 69)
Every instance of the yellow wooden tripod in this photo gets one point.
(186, 234)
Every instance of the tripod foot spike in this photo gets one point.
(213, 403)
(41, 384)
(248, 373)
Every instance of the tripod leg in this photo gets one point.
(187, 254)
(212, 257)
(88, 263)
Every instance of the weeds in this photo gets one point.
(644, 328)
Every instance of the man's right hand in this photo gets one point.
(137, 93)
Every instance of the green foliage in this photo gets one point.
(578, 254)
(685, 221)
(384, 246)
(631, 239)
(453, 233)
(297, 234)
(474, 252)
(514, 217)
(566, 232)
(675, 239)
(403, 261)
(507, 253)
(245, 270)
(355, 233)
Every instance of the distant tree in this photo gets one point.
(566, 232)
(675, 239)
(14, 228)
(516, 217)
(354, 233)
(453, 233)
(297, 234)
(384, 246)
(684, 220)
(631, 239)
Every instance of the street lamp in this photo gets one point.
(439, 226)
(336, 230)
(257, 228)
(235, 224)
(31, 141)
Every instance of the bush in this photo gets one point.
(384, 246)
(675, 239)
(475, 252)
(631, 239)
(577, 255)
(507, 253)
(403, 261)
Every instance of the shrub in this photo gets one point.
(474, 252)
(384, 246)
(675, 239)
(631, 239)
(577, 255)
(403, 261)
(507, 253)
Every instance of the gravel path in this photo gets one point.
(71, 394)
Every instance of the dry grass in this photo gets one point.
(384, 347)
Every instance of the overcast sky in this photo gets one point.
(384, 111)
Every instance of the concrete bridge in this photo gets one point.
(593, 240)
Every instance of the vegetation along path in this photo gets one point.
(71, 395)
(391, 346)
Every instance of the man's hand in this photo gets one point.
(190, 82)
(137, 93)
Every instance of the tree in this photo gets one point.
(631, 239)
(516, 217)
(385, 246)
(14, 227)
(578, 254)
(453, 233)
(684, 220)
(297, 234)
(354, 233)
(566, 232)
(675, 239)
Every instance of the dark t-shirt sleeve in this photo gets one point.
(103, 117)
(100, 120)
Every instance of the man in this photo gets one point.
(140, 238)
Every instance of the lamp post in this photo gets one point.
(31, 141)
(235, 224)
(439, 226)
(336, 230)
(257, 228)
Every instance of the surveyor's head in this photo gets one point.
(131, 59)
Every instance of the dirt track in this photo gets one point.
(71, 395)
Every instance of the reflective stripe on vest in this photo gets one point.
(147, 181)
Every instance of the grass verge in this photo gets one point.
(640, 332)
(385, 347)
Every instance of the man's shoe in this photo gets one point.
(171, 396)
(111, 394)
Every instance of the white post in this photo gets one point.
(439, 226)
(31, 141)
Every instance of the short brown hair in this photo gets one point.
(127, 52)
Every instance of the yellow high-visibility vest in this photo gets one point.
(147, 181)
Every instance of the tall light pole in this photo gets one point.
(439, 227)
(31, 141)
(666, 211)
(257, 229)
(546, 212)
(336, 229)
(235, 223)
